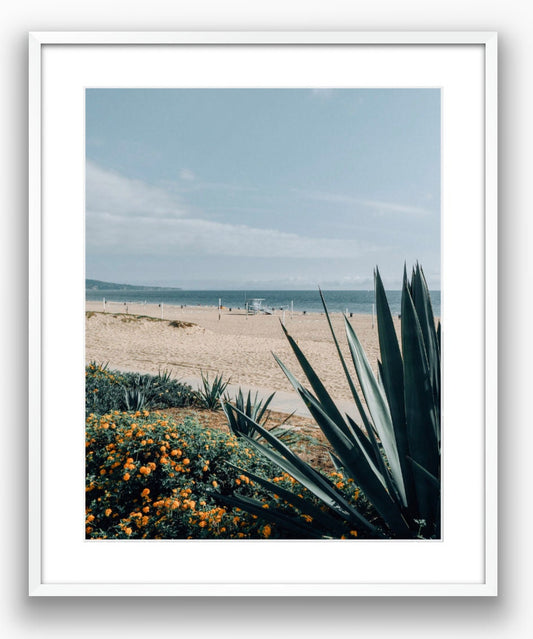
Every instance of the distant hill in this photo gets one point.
(98, 285)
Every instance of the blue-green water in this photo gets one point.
(309, 301)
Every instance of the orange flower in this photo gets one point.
(128, 531)
(267, 530)
(108, 511)
(126, 476)
(145, 492)
(186, 461)
(353, 533)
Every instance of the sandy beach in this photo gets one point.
(236, 345)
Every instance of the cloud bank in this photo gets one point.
(124, 215)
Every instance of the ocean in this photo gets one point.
(309, 301)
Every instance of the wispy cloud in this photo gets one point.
(124, 215)
(199, 185)
(379, 206)
(153, 236)
(110, 191)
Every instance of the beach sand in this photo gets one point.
(236, 345)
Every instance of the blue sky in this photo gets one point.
(262, 188)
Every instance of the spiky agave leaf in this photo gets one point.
(211, 392)
(378, 408)
(421, 415)
(256, 409)
(366, 439)
(329, 522)
(354, 457)
(313, 480)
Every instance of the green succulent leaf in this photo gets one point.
(359, 405)
(305, 506)
(356, 460)
(307, 476)
(271, 516)
(421, 415)
(378, 408)
(391, 368)
(317, 386)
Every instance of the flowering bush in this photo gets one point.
(106, 390)
(151, 478)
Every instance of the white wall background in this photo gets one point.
(507, 616)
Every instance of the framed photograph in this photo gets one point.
(263, 314)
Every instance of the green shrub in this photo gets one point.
(108, 390)
(103, 389)
(149, 477)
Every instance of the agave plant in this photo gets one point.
(393, 454)
(210, 393)
(163, 377)
(243, 416)
(255, 411)
(137, 393)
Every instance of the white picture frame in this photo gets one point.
(464, 561)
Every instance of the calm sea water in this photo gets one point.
(337, 301)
